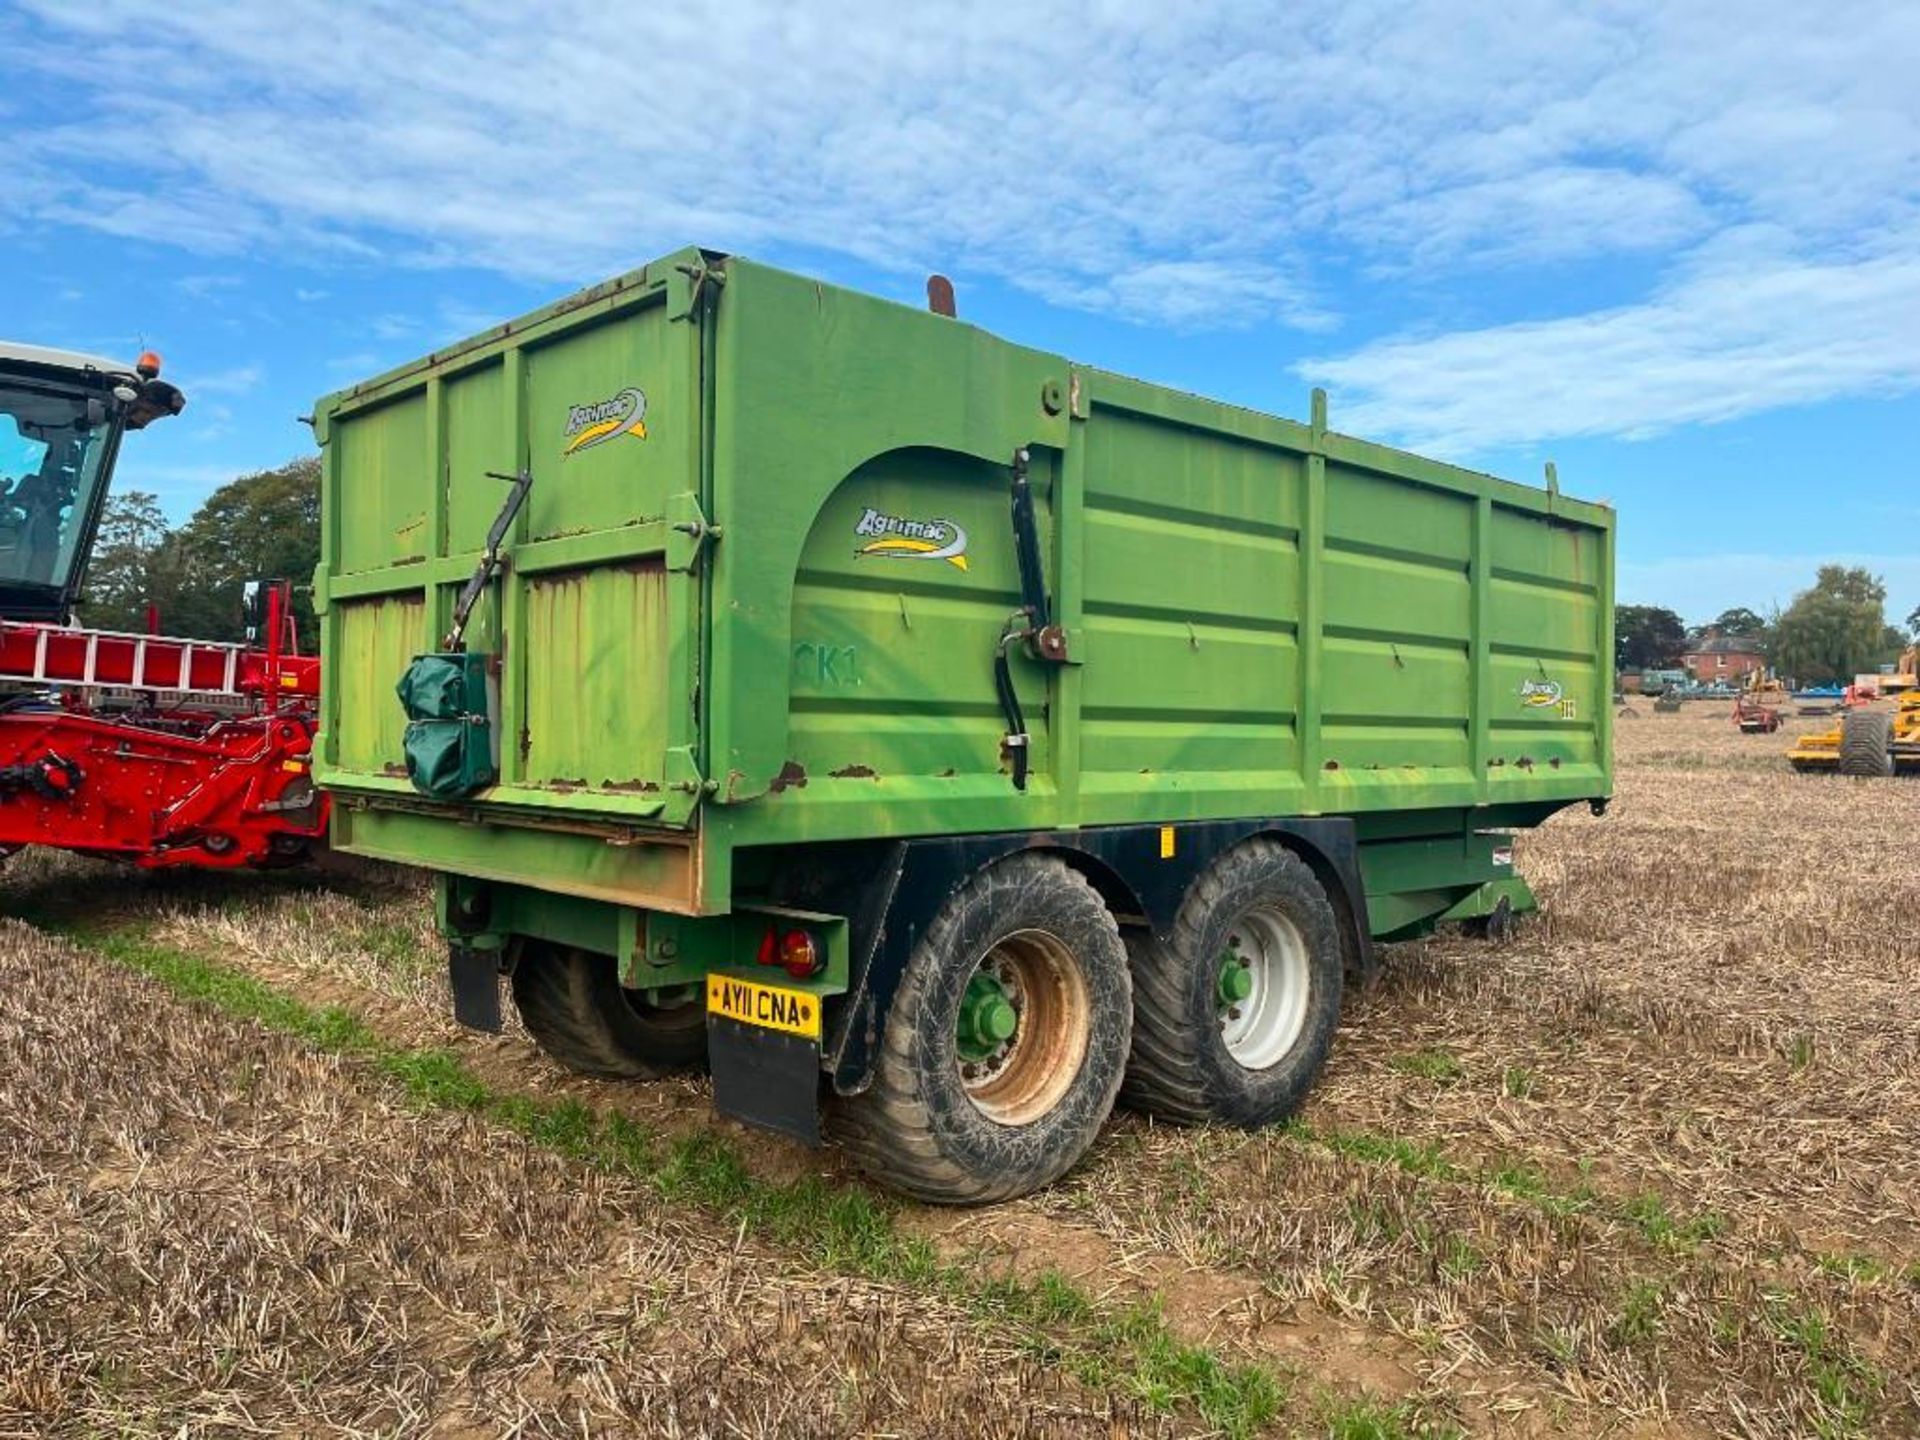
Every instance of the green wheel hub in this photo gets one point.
(988, 1020)
(1235, 982)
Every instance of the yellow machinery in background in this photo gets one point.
(1761, 703)
(1868, 742)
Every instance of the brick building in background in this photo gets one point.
(1730, 658)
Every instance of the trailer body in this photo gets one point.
(740, 663)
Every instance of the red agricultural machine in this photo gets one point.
(144, 748)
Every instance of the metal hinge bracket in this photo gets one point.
(688, 531)
(688, 284)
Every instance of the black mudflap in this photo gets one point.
(765, 1078)
(474, 976)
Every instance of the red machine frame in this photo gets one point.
(160, 751)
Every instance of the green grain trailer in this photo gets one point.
(858, 695)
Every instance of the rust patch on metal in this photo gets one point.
(946, 774)
(1525, 762)
(854, 772)
(635, 786)
(394, 769)
(1331, 765)
(792, 775)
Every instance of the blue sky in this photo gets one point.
(1673, 247)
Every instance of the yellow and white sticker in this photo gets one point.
(768, 1006)
(598, 422)
(899, 537)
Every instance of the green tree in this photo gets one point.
(264, 526)
(1740, 623)
(119, 581)
(1835, 629)
(1647, 637)
(1913, 623)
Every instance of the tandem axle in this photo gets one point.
(806, 977)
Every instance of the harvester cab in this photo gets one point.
(143, 748)
(62, 415)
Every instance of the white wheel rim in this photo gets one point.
(1261, 1029)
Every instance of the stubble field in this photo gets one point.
(1648, 1169)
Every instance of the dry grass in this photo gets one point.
(1647, 1169)
(1655, 1157)
(206, 1229)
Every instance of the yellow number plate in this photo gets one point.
(767, 1006)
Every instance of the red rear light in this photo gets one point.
(800, 956)
(769, 948)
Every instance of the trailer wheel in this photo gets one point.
(1866, 743)
(1233, 1020)
(574, 1006)
(1004, 1048)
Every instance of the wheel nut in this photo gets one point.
(1235, 982)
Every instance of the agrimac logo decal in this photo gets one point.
(595, 424)
(894, 537)
(1548, 695)
(1539, 694)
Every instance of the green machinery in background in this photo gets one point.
(884, 712)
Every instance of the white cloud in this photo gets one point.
(1035, 142)
(1210, 164)
(1699, 587)
(178, 486)
(215, 422)
(235, 381)
(456, 318)
(1200, 292)
(1726, 342)
(206, 287)
(1546, 213)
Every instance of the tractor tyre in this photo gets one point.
(1233, 1020)
(574, 1006)
(1866, 744)
(1005, 1044)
